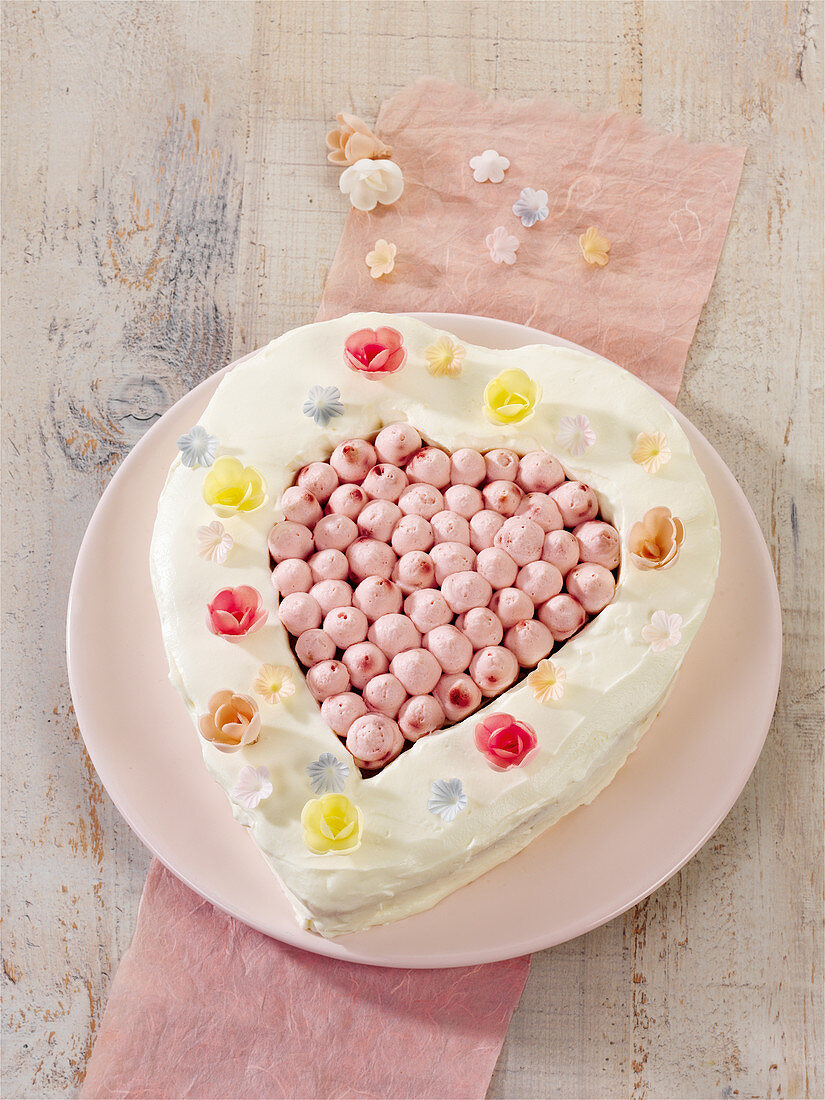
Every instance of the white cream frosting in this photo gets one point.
(615, 685)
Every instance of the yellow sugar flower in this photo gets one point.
(331, 824)
(547, 681)
(594, 246)
(444, 358)
(274, 683)
(381, 260)
(651, 451)
(511, 398)
(232, 487)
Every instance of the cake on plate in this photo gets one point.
(422, 599)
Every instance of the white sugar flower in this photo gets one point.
(322, 404)
(489, 167)
(198, 447)
(214, 542)
(368, 182)
(663, 631)
(327, 773)
(575, 435)
(503, 247)
(448, 799)
(253, 786)
(531, 207)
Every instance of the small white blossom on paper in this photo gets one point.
(651, 452)
(448, 799)
(214, 542)
(503, 247)
(547, 681)
(663, 631)
(489, 167)
(327, 773)
(575, 435)
(253, 786)
(381, 260)
(531, 207)
(322, 404)
(197, 447)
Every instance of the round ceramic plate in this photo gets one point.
(598, 861)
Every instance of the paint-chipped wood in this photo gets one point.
(167, 207)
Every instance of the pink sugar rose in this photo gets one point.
(505, 741)
(236, 612)
(375, 352)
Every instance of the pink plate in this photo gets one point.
(598, 861)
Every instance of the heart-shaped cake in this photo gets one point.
(423, 599)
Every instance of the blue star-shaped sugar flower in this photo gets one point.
(448, 799)
(327, 773)
(531, 207)
(322, 404)
(198, 447)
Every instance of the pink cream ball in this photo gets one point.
(335, 532)
(421, 500)
(431, 466)
(300, 506)
(414, 571)
(340, 711)
(353, 459)
(299, 612)
(577, 502)
(511, 605)
(521, 538)
(292, 575)
(393, 634)
(592, 585)
(467, 467)
(289, 540)
(327, 678)
(541, 509)
(385, 694)
(347, 500)
(363, 661)
(452, 649)
(465, 590)
(540, 580)
(530, 641)
(598, 543)
(328, 565)
(374, 740)
(346, 626)
(412, 533)
(481, 626)
(417, 669)
(427, 609)
(484, 526)
(497, 567)
(458, 695)
(376, 596)
(494, 669)
(501, 465)
(563, 616)
(320, 479)
(539, 472)
(378, 520)
(451, 557)
(464, 500)
(503, 497)
(370, 558)
(560, 549)
(314, 646)
(385, 482)
(420, 716)
(331, 594)
(450, 527)
(397, 443)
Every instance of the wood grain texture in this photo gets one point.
(167, 208)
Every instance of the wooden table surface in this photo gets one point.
(168, 208)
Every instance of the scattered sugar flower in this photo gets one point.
(232, 722)
(511, 397)
(547, 681)
(327, 773)
(448, 799)
(531, 207)
(375, 352)
(214, 542)
(232, 487)
(489, 167)
(198, 447)
(331, 824)
(368, 182)
(502, 245)
(236, 612)
(651, 452)
(444, 358)
(656, 540)
(594, 246)
(575, 435)
(381, 260)
(322, 404)
(274, 683)
(253, 786)
(353, 140)
(663, 631)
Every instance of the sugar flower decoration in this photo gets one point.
(197, 447)
(502, 246)
(236, 612)
(489, 167)
(594, 246)
(369, 182)
(444, 358)
(375, 352)
(656, 540)
(448, 799)
(232, 722)
(274, 683)
(511, 397)
(322, 404)
(232, 487)
(331, 824)
(575, 435)
(381, 260)
(353, 140)
(663, 631)
(547, 681)
(506, 742)
(651, 451)
(531, 207)
(252, 787)
(327, 773)
(214, 542)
